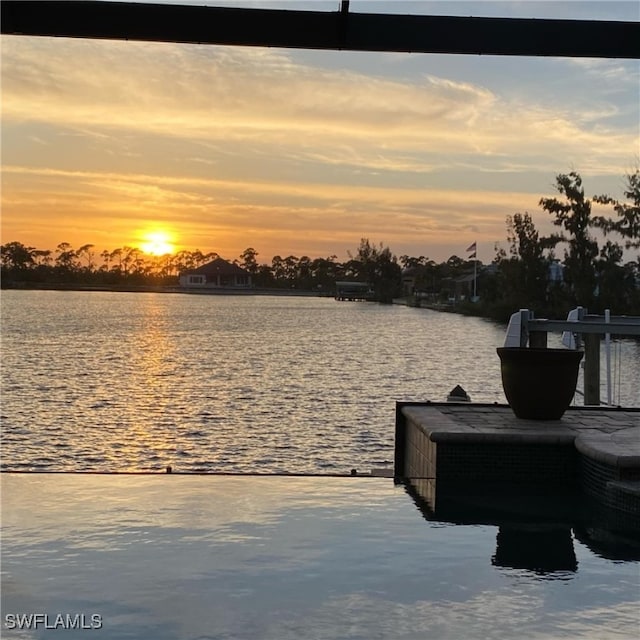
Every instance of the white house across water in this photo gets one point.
(218, 274)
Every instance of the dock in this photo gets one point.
(463, 458)
(354, 291)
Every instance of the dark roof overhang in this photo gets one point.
(340, 30)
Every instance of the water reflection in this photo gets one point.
(618, 546)
(121, 381)
(182, 557)
(147, 393)
(543, 549)
(222, 383)
(541, 537)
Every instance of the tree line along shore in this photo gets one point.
(582, 264)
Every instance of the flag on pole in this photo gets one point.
(472, 247)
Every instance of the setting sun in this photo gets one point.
(157, 243)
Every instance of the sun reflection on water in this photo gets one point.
(137, 381)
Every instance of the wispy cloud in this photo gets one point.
(242, 96)
(238, 146)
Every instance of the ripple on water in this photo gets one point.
(227, 382)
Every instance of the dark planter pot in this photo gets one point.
(539, 383)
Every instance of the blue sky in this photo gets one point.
(305, 152)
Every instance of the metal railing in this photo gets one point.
(588, 331)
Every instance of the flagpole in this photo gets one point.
(475, 273)
(474, 255)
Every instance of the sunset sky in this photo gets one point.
(305, 152)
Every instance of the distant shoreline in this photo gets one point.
(221, 291)
(30, 286)
(215, 291)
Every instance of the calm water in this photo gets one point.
(243, 558)
(122, 381)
